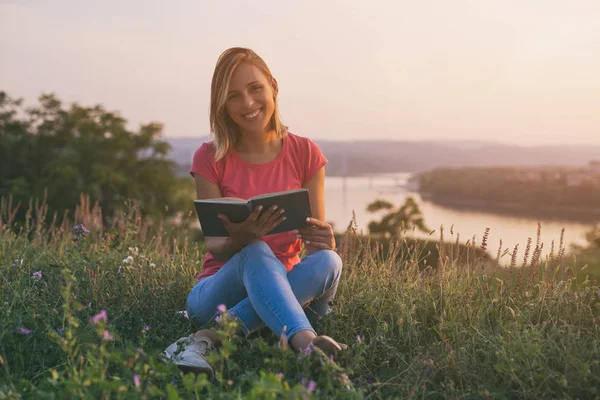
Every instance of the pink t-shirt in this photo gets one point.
(297, 163)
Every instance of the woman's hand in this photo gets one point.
(317, 236)
(257, 225)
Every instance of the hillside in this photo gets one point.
(380, 156)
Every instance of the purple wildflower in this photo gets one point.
(185, 315)
(279, 375)
(136, 381)
(146, 328)
(308, 350)
(221, 308)
(107, 336)
(60, 330)
(101, 316)
(331, 358)
(37, 275)
(358, 338)
(312, 385)
(218, 319)
(24, 331)
(119, 270)
(89, 305)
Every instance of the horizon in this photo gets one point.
(507, 73)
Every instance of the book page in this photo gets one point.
(225, 200)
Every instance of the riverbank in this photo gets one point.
(575, 214)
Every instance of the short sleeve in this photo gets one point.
(315, 160)
(204, 164)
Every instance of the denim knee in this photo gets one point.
(261, 252)
(256, 246)
(330, 263)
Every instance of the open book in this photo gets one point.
(295, 203)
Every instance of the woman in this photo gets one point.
(259, 279)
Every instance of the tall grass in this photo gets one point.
(456, 330)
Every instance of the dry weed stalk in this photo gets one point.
(499, 253)
(534, 265)
(441, 255)
(513, 263)
(523, 266)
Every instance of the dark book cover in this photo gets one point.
(295, 203)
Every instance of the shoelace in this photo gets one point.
(204, 345)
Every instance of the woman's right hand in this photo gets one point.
(257, 225)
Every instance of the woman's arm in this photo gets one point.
(221, 248)
(320, 234)
(316, 194)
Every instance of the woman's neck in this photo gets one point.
(258, 143)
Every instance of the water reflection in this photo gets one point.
(345, 195)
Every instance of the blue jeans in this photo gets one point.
(257, 290)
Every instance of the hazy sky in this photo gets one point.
(525, 72)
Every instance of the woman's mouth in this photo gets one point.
(253, 114)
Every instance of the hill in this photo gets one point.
(382, 156)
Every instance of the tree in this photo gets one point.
(59, 152)
(408, 216)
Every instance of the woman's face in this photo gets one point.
(251, 99)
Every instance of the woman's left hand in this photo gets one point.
(317, 236)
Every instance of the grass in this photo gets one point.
(458, 330)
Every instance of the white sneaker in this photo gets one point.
(189, 354)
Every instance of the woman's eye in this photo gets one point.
(256, 88)
(233, 96)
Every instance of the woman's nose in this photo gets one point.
(248, 100)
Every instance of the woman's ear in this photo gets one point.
(275, 87)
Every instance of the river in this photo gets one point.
(345, 195)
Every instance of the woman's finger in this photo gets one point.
(317, 223)
(318, 245)
(263, 220)
(254, 214)
(278, 220)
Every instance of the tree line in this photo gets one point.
(59, 152)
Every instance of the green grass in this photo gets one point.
(455, 331)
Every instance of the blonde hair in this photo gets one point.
(222, 127)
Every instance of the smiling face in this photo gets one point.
(250, 99)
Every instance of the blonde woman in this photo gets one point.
(260, 280)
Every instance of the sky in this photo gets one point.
(510, 71)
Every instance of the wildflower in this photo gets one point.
(136, 381)
(331, 358)
(146, 328)
(312, 385)
(307, 350)
(128, 260)
(79, 232)
(358, 338)
(279, 375)
(37, 275)
(89, 305)
(119, 270)
(101, 316)
(61, 330)
(107, 336)
(152, 265)
(24, 331)
(133, 251)
(185, 315)
(221, 308)
(218, 319)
